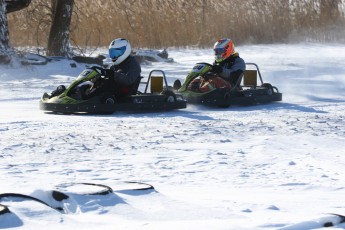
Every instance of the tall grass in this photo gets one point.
(163, 23)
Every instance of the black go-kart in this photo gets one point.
(78, 97)
(246, 91)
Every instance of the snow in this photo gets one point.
(275, 166)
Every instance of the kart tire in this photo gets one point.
(103, 189)
(169, 96)
(4, 209)
(108, 98)
(35, 59)
(275, 89)
(269, 88)
(59, 196)
(177, 84)
(225, 104)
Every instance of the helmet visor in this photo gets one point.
(116, 52)
(219, 51)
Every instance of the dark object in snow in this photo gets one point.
(5, 59)
(150, 55)
(323, 222)
(145, 56)
(37, 59)
(136, 187)
(244, 92)
(59, 196)
(104, 189)
(142, 56)
(98, 60)
(65, 193)
(340, 220)
(27, 197)
(4, 209)
(81, 96)
(84, 189)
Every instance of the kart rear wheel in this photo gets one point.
(108, 98)
(226, 103)
(177, 84)
(269, 88)
(169, 96)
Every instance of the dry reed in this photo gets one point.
(180, 23)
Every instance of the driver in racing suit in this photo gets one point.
(228, 63)
(120, 78)
(125, 70)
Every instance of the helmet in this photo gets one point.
(119, 50)
(223, 49)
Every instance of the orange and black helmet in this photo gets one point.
(223, 49)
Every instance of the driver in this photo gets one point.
(125, 70)
(122, 78)
(123, 74)
(228, 63)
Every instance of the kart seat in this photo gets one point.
(236, 79)
(250, 78)
(156, 84)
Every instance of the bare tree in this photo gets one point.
(6, 7)
(58, 41)
(4, 36)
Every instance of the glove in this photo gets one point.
(108, 73)
(207, 76)
(217, 69)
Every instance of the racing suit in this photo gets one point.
(122, 76)
(233, 68)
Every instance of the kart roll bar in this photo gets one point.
(257, 69)
(149, 78)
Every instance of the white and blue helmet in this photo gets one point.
(119, 50)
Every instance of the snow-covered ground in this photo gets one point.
(275, 166)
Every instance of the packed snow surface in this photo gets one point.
(273, 166)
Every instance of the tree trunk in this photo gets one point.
(4, 36)
(58, 41)
(6, 6)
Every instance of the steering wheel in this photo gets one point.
(204, 63)
(101, 70)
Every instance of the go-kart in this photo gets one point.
(246, 91)
(79, 96)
